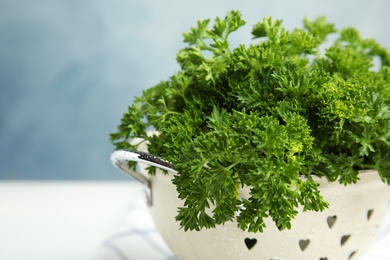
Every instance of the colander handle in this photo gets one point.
(121, 158)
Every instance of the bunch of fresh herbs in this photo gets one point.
(268, 116)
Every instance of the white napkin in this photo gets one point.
(380, 250)
(135, 237)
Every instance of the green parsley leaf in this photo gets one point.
(267, 116)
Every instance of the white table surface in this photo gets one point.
(91, 220)
(60, 220)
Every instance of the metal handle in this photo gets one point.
(120, 159)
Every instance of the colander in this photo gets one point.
(343, 231)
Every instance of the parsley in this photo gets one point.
(264, 116)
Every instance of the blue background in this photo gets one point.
(69, 69)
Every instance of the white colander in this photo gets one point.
(343, 231)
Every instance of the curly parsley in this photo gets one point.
(263, 116)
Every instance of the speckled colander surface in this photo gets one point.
(343, 231)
